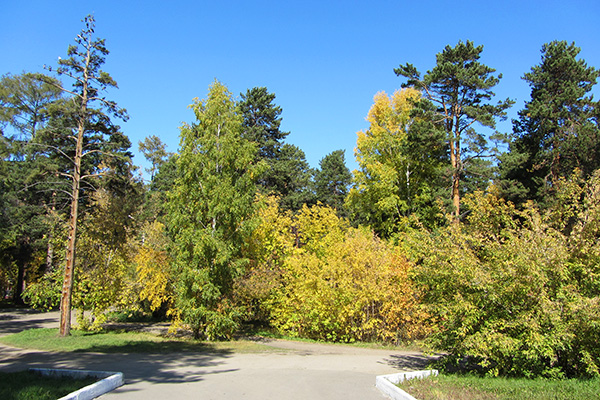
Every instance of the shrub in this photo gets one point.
(344, 284)
(512, 290)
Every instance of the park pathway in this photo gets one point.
(289, 370)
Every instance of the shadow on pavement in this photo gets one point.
(410, 362)
(154, 368)
(154, 362)
(16, 321)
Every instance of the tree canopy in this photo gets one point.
(558, 130)
(460, 88)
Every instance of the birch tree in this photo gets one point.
(211, 208)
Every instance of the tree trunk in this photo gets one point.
(23, 258)
(455, 161)
(65, 301)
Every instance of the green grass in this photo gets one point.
(272, 334)
(123, 342)
(469, 387)
(26, 385)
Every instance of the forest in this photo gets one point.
(482, 245)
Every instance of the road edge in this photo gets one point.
(109, 381)
(387, 383)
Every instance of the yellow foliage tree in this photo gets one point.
(153, 265)
(398, 159)
(105, 276)
(267, 248)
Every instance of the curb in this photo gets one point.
(110, 381)
(387, 383)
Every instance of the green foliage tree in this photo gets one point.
(460, 88)
(287, 174)
(162, 176)
(558, 130)
(155, 151)
(24, 103)
(24, 100)
(261, 124)
(332, 181)
(293, 178)
(210, 216)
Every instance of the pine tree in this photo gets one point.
(332, 181)
(85, 122)
(287, 172)
(460, 88)
(558, 130)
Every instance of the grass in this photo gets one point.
(470, 387)
(272, 334)
(123, 342)
(26, 385)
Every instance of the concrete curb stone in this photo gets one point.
(387, 383)
(109, 381)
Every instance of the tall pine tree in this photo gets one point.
(558, 130)
(287, 172)
(81, 130)
(460, 88)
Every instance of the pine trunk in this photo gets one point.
(65, 301)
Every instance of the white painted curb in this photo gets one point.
(387, 383)
(110, 381)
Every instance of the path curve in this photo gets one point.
(301, 370)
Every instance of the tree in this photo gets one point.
(332, 181)
(211, 213)
(24, 103)
(91, 122)
(106, 245)
(153, 265)
(508, 291)
(261, 122)
(154, 150)
(24, 100)
(399, 159)
(558, 130)
(293, 177)
(460, 88)
(287, 173)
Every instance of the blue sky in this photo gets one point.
(324, 60)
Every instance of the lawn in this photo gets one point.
(26, 385)
(467, 387)
(123, 342)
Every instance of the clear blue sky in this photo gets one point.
(324, 60)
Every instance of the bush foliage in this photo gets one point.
(327, 281)
(517, 290)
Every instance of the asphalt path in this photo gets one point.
(289, 370)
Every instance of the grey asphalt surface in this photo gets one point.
(290, 370)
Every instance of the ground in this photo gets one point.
(294, 370)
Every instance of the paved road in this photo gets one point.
(293, 370)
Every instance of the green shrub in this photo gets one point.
(516, 291)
